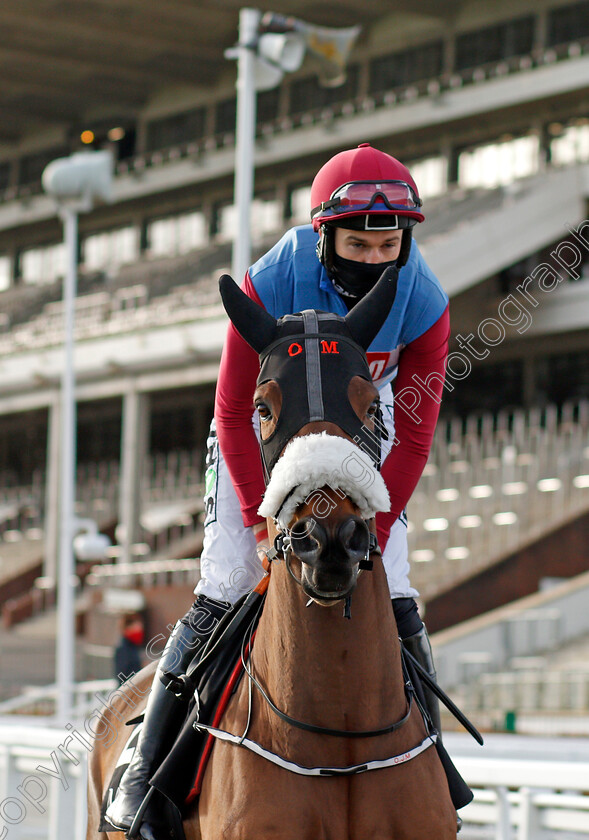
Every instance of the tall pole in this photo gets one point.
(65, 589)
(249, 20)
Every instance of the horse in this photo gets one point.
(322, 739)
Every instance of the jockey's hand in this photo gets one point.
(262, 541)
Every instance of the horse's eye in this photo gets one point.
(264, 412)
(372, 409)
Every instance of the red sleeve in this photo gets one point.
(234, 406)
(418, 393)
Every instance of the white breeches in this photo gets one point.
(229, 565)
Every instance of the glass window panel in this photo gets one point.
(32, 266)
(54, 261)
(225, 116)
(96, 251)
(227, 222)
(162, 237)
(4, 175)
(176, 130)
(267, 105)
(300, 205)
(266, 217)
(124, 247)
(192, 232)
(306, 95)
(309, 95)
(110, 249)
(569, 23)
(494, 43)
(498, 163)
(572, 146)
(404, 68)
(430, 175)
(5, 273)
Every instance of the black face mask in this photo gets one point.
(356, 278)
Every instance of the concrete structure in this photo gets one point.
(488, 103)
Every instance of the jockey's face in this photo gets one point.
(368, 246)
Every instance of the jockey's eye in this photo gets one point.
(264, 412)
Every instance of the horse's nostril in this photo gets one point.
(307, 539)
(354, 537)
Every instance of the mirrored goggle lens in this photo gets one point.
(360, 196)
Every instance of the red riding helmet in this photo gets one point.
(365, 182)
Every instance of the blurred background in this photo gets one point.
(488, 105)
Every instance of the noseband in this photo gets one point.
(282, 550)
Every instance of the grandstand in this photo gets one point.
(488, 103)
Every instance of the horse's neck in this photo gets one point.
(312, 658)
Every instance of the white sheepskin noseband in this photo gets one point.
(314, 461)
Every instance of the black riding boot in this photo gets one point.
(419, 646)
(164, 712)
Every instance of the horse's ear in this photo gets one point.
(367, 317)
(252, 322)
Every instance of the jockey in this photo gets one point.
(364, 206)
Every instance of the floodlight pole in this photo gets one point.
(74, 183)
(249, 20)
(65, 590)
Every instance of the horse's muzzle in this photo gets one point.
(330, 553)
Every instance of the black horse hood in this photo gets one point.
(313, 356)
(313, 359)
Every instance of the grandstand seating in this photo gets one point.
(492, 485)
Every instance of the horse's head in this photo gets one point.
(320, 430)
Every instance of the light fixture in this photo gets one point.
(116, 134)
(514, 488)
(438, 524)
(457, 552)
(506, 517)
(480, 491)
(549, 485)
(422, 555)
(447, 494)
(87, 137)
(471, 520)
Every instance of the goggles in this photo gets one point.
(360, 196)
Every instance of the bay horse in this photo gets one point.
(321, 739)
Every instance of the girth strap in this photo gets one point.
(301, 770)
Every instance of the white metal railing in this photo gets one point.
(40, 701)
(527, 800)
(43, 782)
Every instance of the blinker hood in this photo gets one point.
(313, 356)
(313, 362)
